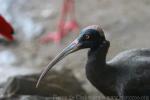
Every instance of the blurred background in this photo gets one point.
(126, 24)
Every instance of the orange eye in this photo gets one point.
(87, 37)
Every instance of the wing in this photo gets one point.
(139, 84)
(132, 58)
(134, 71)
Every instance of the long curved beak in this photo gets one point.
(74, 46)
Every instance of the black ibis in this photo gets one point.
(127, 74)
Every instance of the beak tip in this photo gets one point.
(37, 85)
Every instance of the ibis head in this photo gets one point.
(90, 37)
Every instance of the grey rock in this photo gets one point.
(55, 85)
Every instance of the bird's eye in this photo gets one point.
(87, 37)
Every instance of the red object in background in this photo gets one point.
(6, 29)
(63, 27)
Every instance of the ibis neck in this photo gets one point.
(98, 72)
(98, 55)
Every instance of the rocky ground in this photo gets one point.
(126, 24)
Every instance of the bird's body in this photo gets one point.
(127, 74)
